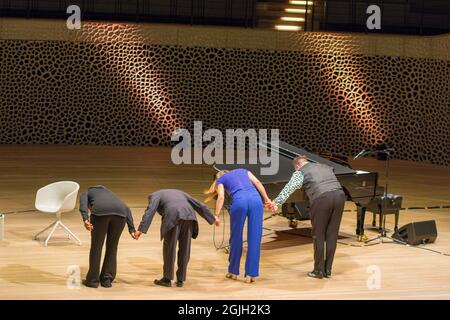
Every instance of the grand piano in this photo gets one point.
(359, 186)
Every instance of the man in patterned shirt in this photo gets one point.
(327, 200)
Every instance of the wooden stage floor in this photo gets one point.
(28, 270)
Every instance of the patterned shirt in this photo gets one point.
(295, 183)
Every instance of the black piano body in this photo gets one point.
(360, 187)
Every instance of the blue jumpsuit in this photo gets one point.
(246, 203)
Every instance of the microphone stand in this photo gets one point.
(382, 230)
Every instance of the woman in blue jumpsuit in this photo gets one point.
(243, 188)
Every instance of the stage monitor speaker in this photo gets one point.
(415, 233)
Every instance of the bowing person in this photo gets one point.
(327, 200)
(178, 225)
(107, 218)
(246, 203)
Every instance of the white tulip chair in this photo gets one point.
(57, 198)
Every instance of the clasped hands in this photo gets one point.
(271, 205)
(136, 234)
(216, 221)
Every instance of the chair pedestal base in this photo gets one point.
(53, 227)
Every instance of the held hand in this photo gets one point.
(88, 225)
(268, 204)
(274, 207)
(136, 235)
(217, 221)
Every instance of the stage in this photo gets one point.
(28, 270)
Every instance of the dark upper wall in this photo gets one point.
(127, 85)
(214, 12)
(397, 16)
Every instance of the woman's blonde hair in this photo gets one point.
(212, 191)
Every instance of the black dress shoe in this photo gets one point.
(179, 283)
(327, 274)
(106, 283)
(90, 284)
(315, 274)
(163, 282)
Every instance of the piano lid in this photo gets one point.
(286, 153)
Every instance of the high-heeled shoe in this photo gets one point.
(231, 276)
(249, 279)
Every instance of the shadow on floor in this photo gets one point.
(289, 238)
(23, 234)
(23, 274)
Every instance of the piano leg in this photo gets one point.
(397, 213)
(360, 217)
(382, 213)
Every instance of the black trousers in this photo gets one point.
(181, 233)
(109, 227)
(326, 215)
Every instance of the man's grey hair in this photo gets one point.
(297, 159)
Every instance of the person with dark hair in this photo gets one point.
(326, 199)
(178, 225)
(107, 218)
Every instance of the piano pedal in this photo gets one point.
(362, 238)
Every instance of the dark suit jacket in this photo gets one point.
(174, 205)
(104, 202)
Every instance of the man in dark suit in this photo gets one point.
(178, 224)
(108, 215)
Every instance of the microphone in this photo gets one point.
(360, 154)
